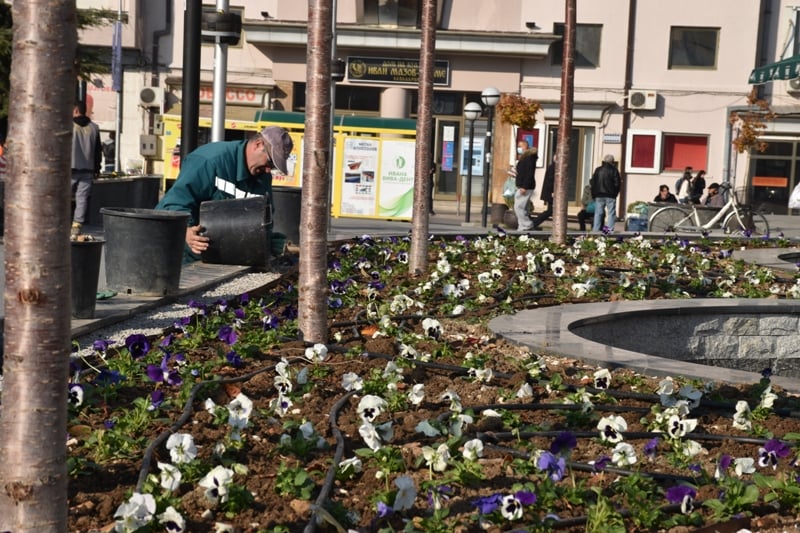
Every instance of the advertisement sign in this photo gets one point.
(357, 185)
(396, 179)
(477, 156)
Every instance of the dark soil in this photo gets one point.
(99, 485)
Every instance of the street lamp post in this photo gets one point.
(490, 96)
(471, 112)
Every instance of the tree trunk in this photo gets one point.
(315, 204)
(564, 126)
(418, 256)
(33, 478)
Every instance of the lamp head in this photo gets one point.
(472, 111)
(490, 96)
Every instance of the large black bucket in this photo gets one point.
(144, 250)
(86, 256)
(238, 229)
(287, 212)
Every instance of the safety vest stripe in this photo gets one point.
(229, 187)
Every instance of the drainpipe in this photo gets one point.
(190, 105)
(157, 35)
(626, 110)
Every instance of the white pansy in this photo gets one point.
(690, 448)
(370, 436)
(416, 394)
(353, 463)
(741, 418)
(454, 399)
(510, 507)
(491, 413)
(352, 382)
(744, 465)
(436, 459)
(611, 427)
(678, 427)
(457, 423)
(473, 449)
(172, 520)
(170, 477)
(458, 310)
(302, 376)
(181, 448)
(280, 405)
(239, 411)
(767, 398)
(484, 375)
(221, 527)
(307, 430)
(432, 328)
(317, 353)
(406, 493)
(525, 391)
(370, 407)
(602, 379)
(216, 483)
(623, 455)
(210, 406)
(135, 513)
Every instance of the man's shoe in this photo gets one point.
(75, 230)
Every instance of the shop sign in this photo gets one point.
(393, 70)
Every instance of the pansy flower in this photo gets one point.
(227, 335)
(217, 483)
(181, 448)
(772, 451)
(406, 493)
(370, 407)
(563, 443)
(137, 345)
(172, 520)
(683, 495)
(553, 466)
(488, 504)
(611, 427)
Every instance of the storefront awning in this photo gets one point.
(785, 69)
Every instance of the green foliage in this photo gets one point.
(738, 498)
(294, 482)
(602, 518)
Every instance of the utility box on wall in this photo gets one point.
(148, 145)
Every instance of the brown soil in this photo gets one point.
(98, 488)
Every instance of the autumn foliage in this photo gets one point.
(518, 111)
(751, 124)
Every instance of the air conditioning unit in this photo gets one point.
(794, 86)
(640, 99)
(151, 97)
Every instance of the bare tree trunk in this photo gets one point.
(418, 256)
(315, 205)
(564, 126)
(33, 424)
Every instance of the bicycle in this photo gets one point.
(735, 217)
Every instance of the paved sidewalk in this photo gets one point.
(449, 220)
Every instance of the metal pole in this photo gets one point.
(488, 170)
(190, 87)
(220, 83)
(120, 73)
(469, 169)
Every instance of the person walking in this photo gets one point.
(605, 184)
(222, 170)
(698, 187)
(547, 194)
(110, 152)
(526, 183)
(86, 159)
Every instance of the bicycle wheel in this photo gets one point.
(747, 223)
(668, 219)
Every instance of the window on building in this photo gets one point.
(650, 152)
(587, 45)
(348, 98)
(681, 151)
(693, 47)
(644, 152)
(392, 13)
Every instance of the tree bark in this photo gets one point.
(418, 256)
(315, 203)
(564, 126)
(33, 478)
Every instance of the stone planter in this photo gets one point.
(496, 213)
(510, 219)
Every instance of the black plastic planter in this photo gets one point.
(238, 229)
(287, 212)
(86, 256)
(144, 250)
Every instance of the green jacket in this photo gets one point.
(214, 171)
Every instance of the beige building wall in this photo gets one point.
(506, 45)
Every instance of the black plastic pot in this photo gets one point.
(238, 229)
(287, 212)
(144, 250)
(86, 256)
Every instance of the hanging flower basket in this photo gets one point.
(518, 111)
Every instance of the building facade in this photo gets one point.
(655, 82)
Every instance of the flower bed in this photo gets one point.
(414, 418)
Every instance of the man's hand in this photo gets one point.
(197, 243)
(522, 191)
